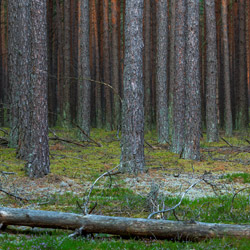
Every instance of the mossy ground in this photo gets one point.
(84, 164)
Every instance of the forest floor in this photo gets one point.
(222, 195)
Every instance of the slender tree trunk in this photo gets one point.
(66, 112)
(228, 108)
(161, 71)
(98, 104)
(132, 143)
(193, 97)
(180, 77)
(171, 70)
(38, 158)
(147, 66)
(1, 74)
(83, 82)
(243, 102)
(115, 62)
(106, 65)
(211, 73)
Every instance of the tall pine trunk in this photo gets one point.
(228, 108)
(180, 77)
(211, 73)
(132, 142)
(84, 86)
(193, 98)
(161, 71)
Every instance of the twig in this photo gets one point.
(91, 188)
(57, 138)
(92, 140)
(231, 210)
(4, 131)
(229, 144)
(149, 145)
(179, 203)
(13, 195)
(247, 141)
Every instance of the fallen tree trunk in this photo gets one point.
(130, 227)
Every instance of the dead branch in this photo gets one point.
(108, 173)
(229, 144)
(178, 204)
(231, 210)
(13, 195)
(57, 138)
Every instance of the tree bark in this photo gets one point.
(161, 71)
(130, 227)
(180, 77)
(38, 163)
(171, 71)
(84, 86)
(19, 53)
(132, 142)
(211, 73)
(191, 148)
(115, 62)
(228, 108)
(147, 66)
(243, 96)
(106, 65)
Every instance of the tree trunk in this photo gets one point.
(66, 112)
(161, 71)
(130, 227)
(228, 108)
(19, 53)
(115, 62)
(171, 71)
(180, 77)
(132, 142)
(193, 97)
(147, 66)
(211, 73)
(38, 154)
(243, 102)
(84, 86)
(106, 65)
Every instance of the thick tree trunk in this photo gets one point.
(38, 154)
(228, 108)
(193, 98)
(211, 73)
(180, 77)
(132, 142)
(19, 53)
(161, 71)
(84, 86)
(131, 227)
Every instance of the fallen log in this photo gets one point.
(129, 227)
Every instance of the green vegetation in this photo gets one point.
(240, 177)
(82, 165)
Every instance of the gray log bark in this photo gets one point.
(150, 228)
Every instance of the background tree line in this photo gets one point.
(178, 65)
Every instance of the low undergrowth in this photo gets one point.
(74, 169)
